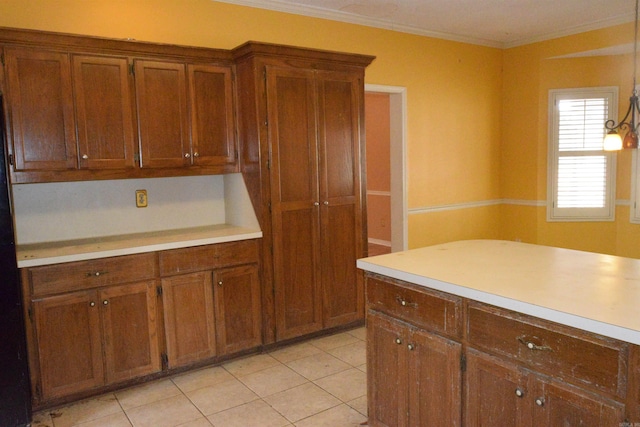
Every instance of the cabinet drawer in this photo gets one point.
(428, 309)
(557, 350)
(90, 274)
(208, 257)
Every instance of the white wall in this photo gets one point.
(76, 210)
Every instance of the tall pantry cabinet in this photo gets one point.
(301, 125)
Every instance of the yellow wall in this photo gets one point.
(530, 72)
(477, 116)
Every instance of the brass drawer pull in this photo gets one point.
(403, 302)
(533, 346)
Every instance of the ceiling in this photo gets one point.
(496, 23)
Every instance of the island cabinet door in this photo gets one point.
(496, 393)
(130, 336)
(435, 380)
(556, 404)
(387, 376)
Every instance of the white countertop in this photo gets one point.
(100, 247)
(594, 292)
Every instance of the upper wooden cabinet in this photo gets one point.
(40, 106)
(81, 108)
(101, 89)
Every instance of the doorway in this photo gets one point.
(386, 168)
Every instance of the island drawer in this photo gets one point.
(80, 275)
(207, 257)
(431, 310)
(564, 352)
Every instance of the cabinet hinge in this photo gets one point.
(159, 290)
(38, 392)
(269, 207)
(30, 314)
(2, 58)
(132, 70)
(11, 159)
(463, 363)
(165, 361)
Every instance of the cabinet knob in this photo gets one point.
(411, 347)
(220, 283)
(105, 302)
(187, 155)
(519, 392)
(96, 273)
(85, 157)
(540, 401)
(316, 204)
(196, 154)
(326, 203)
(92, 304)
(398, 341)
(533, 346)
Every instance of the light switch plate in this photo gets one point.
(141, 198)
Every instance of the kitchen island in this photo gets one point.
(487, 332)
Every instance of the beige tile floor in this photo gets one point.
(320, 382)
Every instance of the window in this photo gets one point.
(581, 174)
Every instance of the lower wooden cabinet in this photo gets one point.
(91, 338)
(415, 377)
(95, 324)
(492, 367)
(209, 313)
(502, 393)
(189, 318)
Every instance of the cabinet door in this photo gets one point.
(435, 380)
(238, 309)
(556, 404)
(339, 107)
(294, 201)
(40, 106)
(130, 336)
(163, 117)
(212, 118)
(69, 343)
(189, 318)
(387, 375)
(496, 393)
(103, 112)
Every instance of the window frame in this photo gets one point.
(606, 213)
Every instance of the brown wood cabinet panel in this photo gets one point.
(189, 318)
(560, 351)
(415, 378)
(387, 397)
(69, 343)
(238, 308)
(91, 274)
(106, 138)
(435, 380)
(556, 404)
(208, 257)
(130, 338)
(40, 107)
(496, 393)
(431, 310)
(212, 115)
(294, 202)
(163, 115)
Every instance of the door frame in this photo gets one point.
(398, 160)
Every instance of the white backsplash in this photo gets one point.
(76, 210)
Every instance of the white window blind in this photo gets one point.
(581, 173)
